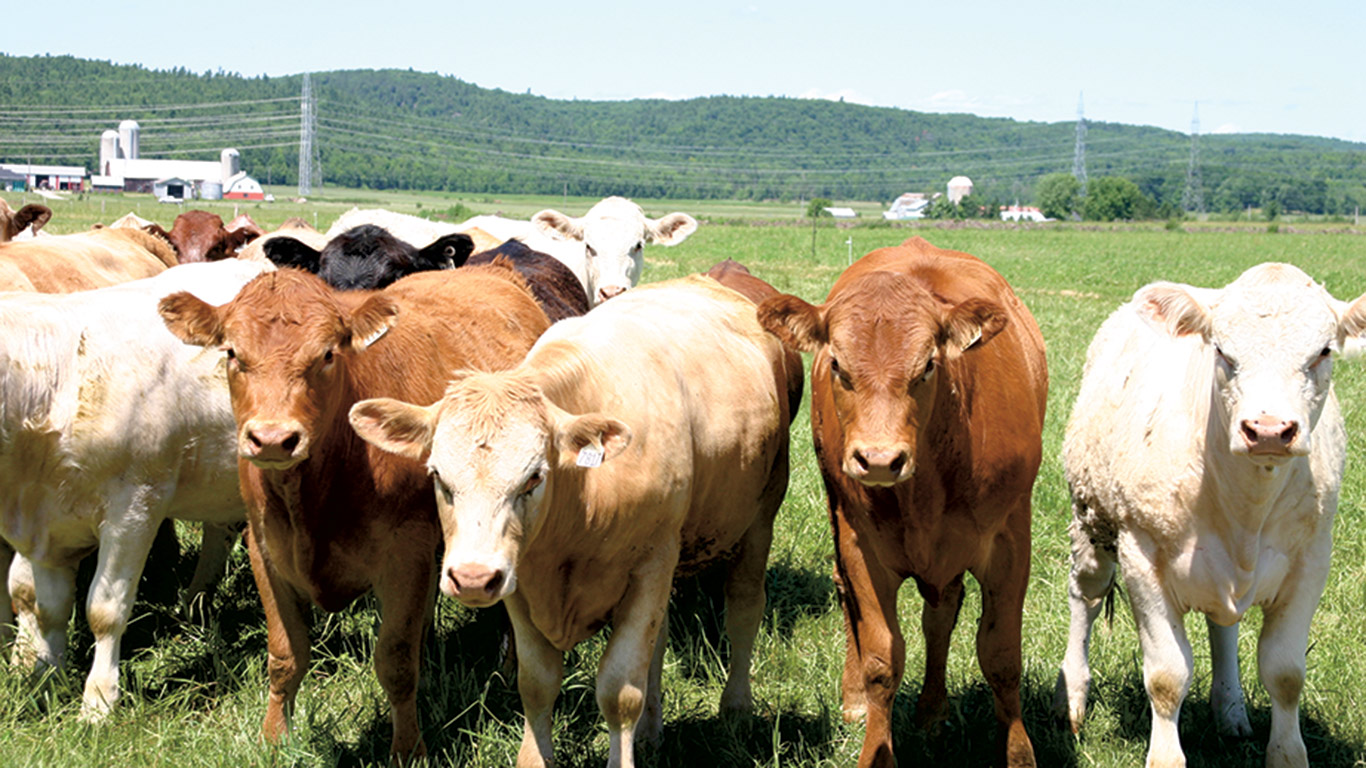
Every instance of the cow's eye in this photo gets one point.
(231, 354)
(532, 483)
(590, 250)
(1325, 354)
(327, 357)
(1224, 358)
(929, 370)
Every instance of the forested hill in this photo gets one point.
(394, 128)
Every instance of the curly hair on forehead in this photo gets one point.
(485, 401)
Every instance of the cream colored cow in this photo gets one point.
(1204, 456)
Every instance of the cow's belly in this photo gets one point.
(1206, 575)
(46, 528)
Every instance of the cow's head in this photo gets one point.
(614, 233)
(13, 222)
(495, 447)
(1269, 338)
(368, 257)
(201, 236)
(289, 343)
(882, 346)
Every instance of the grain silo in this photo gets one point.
(959, 188)
(109, 149)
(232, 163)
(128, 139)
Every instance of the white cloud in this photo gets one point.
(1227, 128)
(844, 94)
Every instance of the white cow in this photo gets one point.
(1204, 454)
(605, 248)
(108, 425)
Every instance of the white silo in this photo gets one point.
(231, 161)
(109, 149)
(128, 139)
(959, 188)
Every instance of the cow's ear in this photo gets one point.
(191, 319)
(395, 426)
(234, 239)
(590, 439)
(447, 252)
(31, 215)
(558, 225)
(1173, 308)
(972, 323)
(670, 230)
(372, 320)
(158, 231)
(289, 252)
(1352, 324)
(796, 323)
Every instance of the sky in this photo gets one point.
(1252, 67)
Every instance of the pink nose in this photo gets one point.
(1269, 436)
(610, 291)
(475, 582)
(272, 441)
(878, 465)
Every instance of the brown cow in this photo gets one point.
(13, 222)
(83, 261)
(200, 236)
(928, 389)
(552, 283)
(329, 517)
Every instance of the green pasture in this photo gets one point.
(195, 687)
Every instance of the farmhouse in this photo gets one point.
(1022, 213)
(911, 205)
(121, 169)
(70, 178)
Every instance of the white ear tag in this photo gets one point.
(973, 340)
(374, 337)
(589, 456)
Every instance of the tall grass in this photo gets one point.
(195, 692)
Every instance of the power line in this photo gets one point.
(1079, 149)
(1193, 197)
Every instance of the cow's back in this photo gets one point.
(83, 261)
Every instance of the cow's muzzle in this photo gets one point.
(878, 466)
(475, 584)
(273, 444)
(1269, 436)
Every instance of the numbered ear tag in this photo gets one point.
(589, 456)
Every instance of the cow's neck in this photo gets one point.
(1243, 492)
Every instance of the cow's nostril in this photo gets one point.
(495, 582)
(1288, 434)
(897, 463)
(861, 460)
(1249, 432)
(290, 443)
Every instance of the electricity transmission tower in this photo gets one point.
(310, 168)
(1079, 153)
(1193, 198)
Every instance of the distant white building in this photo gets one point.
(1022, 213)
(67, 178)
(911, 205)
(122, 169)
(841, 213)
(959, 188)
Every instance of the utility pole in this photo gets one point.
(1079, 151)
(310, 170)
(1193, 198)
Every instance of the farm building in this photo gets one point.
(1022, 213)
(69, 178)
(242, 187)
(121, 169)
(959, 188)
(911, 205)
(11, 181)
(172, 190)
(841, 213)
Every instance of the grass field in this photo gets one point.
(195, 690)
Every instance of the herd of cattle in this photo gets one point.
(381, 398)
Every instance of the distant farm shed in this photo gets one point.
(841, 213)
(1022, 213)
(11, 181)
(172, 190)
(243, 187)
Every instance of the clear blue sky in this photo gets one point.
(1255, 66)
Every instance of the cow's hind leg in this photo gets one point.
(745, 597)
(6, 606)
(218, 539)
(1090, 583)
(1226, 690)
(43, 597)
(938, 617)
(1004, 579)
(125, 540)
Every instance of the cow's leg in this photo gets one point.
(849, 561)
(1004, 579)
(1226, 690)
(286, 642)
(651, 726)
(745, 598)
(43, 597)
(623, 673)
(405, 592)
(218, 539)
(937, 620)
(1088, 585)
(1167, 661)
(876, 657)
(540, 670)
(6, 606)
(125, 539)
(1281, 653)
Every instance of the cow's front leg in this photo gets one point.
(405, 592)
(43, 597)
(1281, 653)
(125, 540)
(1090, 581)
(6, 606)
(286, 641)
(540, 670)
(937, 620)
(1167, 661)
(875, 659)
(1004, 579)
(1226, 689)
(745, 599)
(623, 673)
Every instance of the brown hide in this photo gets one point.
(200, 236)
(13, 222)
(79, 262)
(928, 437)
(330, 517)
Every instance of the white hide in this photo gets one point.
(413, 230)
(108, 425)
(1164, 483)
